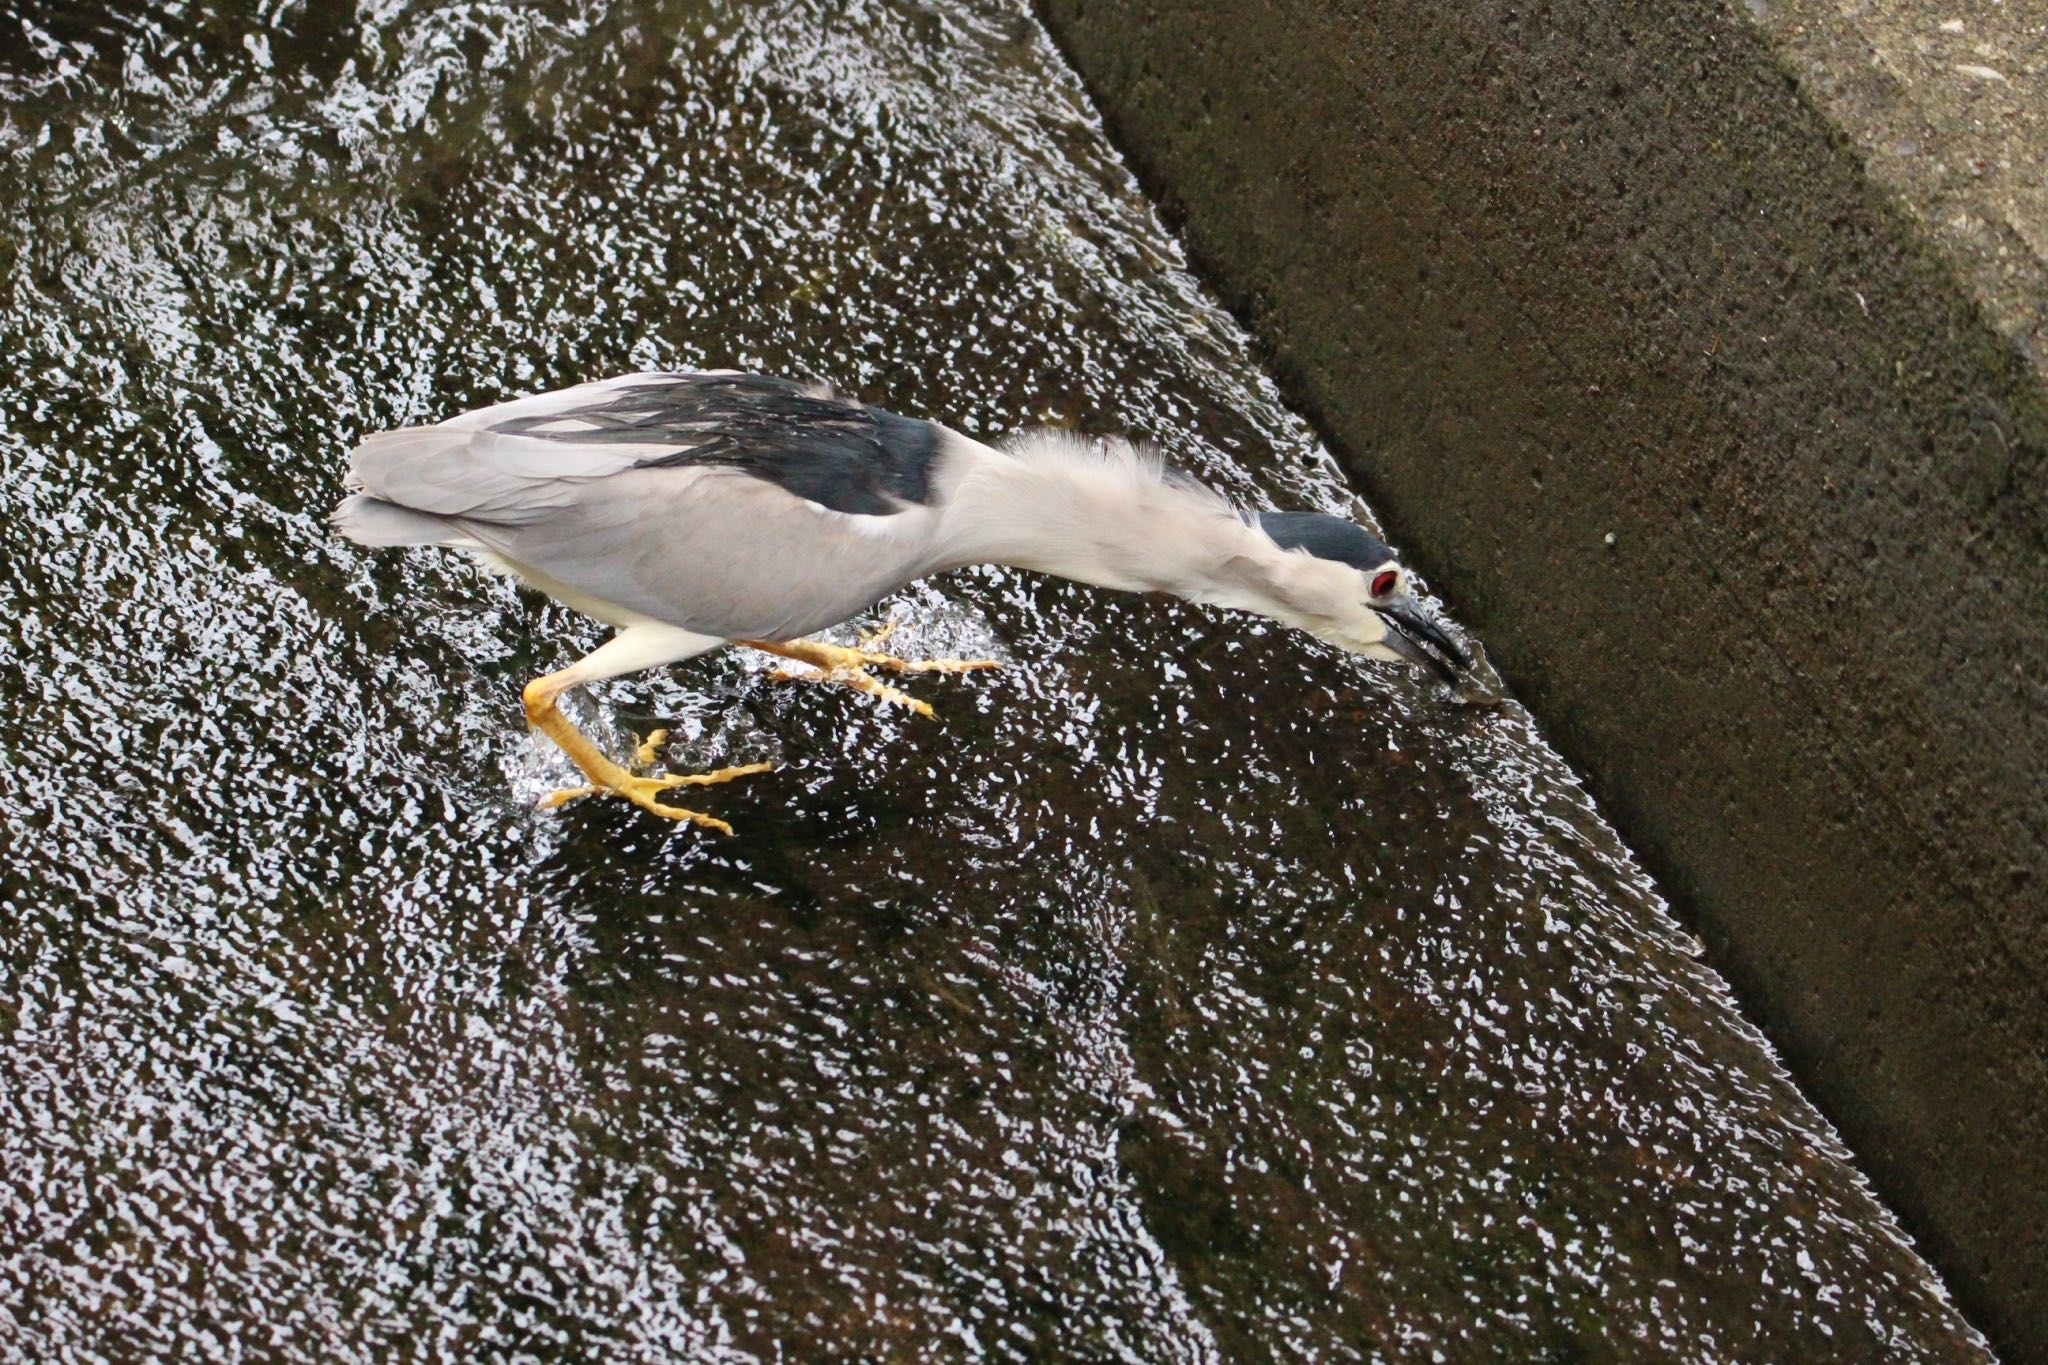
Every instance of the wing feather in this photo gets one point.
(676, 497)
(520, 461)
(460, 469)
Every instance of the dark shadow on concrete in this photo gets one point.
(1718, 450)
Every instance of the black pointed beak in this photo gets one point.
(1422, 641)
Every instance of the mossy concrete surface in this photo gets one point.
(1729, 440)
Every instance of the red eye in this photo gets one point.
(1383, 582)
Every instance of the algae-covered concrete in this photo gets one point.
(1729, 440)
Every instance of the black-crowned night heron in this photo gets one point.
(696, 510)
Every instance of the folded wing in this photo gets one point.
(670, 495)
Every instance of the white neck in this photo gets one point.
(1107, 514)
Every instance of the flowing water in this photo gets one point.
(1184, 991)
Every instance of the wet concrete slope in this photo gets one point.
(1184, 991)
(1727, 432)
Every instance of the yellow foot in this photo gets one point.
(849, 667)
(859, 679)
(641, 791)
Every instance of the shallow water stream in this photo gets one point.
(1184, 991)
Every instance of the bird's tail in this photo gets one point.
(369, 520)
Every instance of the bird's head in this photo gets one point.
(1349, 589)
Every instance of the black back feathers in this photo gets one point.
(828, 450)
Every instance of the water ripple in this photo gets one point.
(1187, 991)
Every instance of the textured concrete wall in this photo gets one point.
(1550, 272)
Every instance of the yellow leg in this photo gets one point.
(608, 778)
(849, 667)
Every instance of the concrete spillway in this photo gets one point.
(1700, 356)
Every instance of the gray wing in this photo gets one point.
(726, 503)
(717, 552)
(519, 461)
(488, 465)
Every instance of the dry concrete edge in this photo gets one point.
(1734, 463)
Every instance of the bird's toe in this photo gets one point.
(869, 639)
(857, 678)
(645, 792)
(710, 779)
(648, 749)
(935, 665)
(667, 812)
